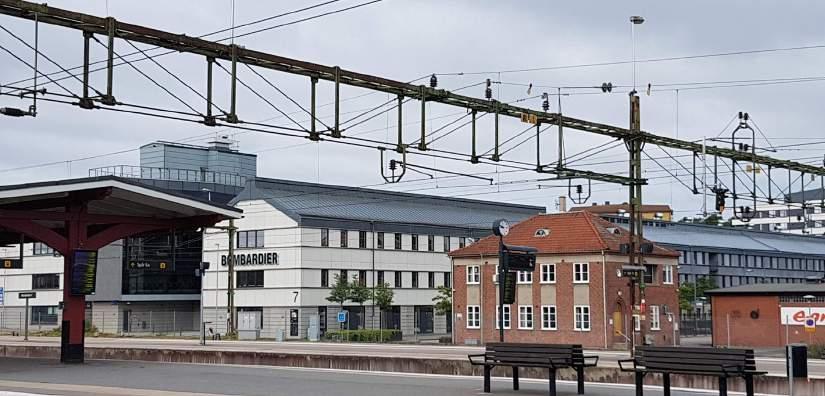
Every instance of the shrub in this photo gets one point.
(816, 351)
(364, 335)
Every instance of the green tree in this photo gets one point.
(443, 301)
(340, 292)
(359, 294)
(690, 292)
(382, 297)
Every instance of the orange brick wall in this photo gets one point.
(601, 334)
(734, 313)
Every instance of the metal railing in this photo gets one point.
(170, 174)
(695, 324)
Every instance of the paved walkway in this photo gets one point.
(109, 378)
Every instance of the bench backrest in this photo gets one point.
(687, 360)
(562, 354)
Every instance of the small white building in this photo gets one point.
(296, 237)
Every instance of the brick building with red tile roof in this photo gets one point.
(575, 294)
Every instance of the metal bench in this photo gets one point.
(716, 362)
(549, 356)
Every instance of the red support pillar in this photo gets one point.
(74, 307)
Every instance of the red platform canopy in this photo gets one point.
(88, 214)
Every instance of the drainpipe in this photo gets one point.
(604, 297)
(481, 300)
(372, 250)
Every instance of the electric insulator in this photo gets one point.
(545, 104)
(579, 189)
(607, 87)
(392, 165)
(433, 81)
(741, 115)
(746, 116)
(12, 112)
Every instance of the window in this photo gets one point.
(581, 314)
(41, 249)
(431, 280)
(581, 273)
(430, 243)
(650, 274)
(414, 242)
(380, 277)
(548, 317)
(325, 237)
(398, 279)
(462, 241)
(344, 238)
(472, 274)
(525, 277)
(344, 275)
(362, 239)
(414, 279)
(397, 241)
(249, 279)
(506, 317)
(548, 273)
(448, 281)
(250, 239)
(380, 241)
(654, 318)
(473, 317)
(495, 274)
(45, 281)
(446, 243)
(667, 275)
(525, 317)
(362, 277)
(324, 278)
(637, 323)
(46, 315)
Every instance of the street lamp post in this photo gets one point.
(809, 298)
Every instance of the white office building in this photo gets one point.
(789, 216)
(296, 237)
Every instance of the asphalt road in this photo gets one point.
(776, 366)
(97, 378)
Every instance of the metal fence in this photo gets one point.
(695, 324)
(110, 322)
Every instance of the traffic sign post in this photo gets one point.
(26, 296)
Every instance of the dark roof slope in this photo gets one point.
(567, 233)
(301, 200)
(772, 289)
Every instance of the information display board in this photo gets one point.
(84, 272)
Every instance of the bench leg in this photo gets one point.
(487, 379)
(640, 384)
(515, 378)
(666, 383)
(580, 380)
(552, 382)
(723, 386)
(749, 385)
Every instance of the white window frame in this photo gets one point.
(637, 323)
(582, 271)
(655, 322)
(579, 310)
(667, 274)
(525, 312)
(495, 275)
(524, 277)
(473, 275)
(545, 317)
(545, 271)
(473, 317)
(507, 316)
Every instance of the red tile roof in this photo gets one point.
(569, 233)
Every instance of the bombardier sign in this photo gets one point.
(795, 316)
(268, 258)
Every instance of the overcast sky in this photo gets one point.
(407, 39)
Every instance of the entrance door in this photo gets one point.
(424, 319)
(322, 320)
(293, 322)
(618, 326)
(126, 315)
